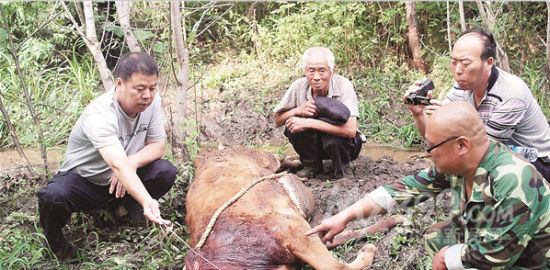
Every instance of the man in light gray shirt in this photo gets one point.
(308, 111)
(503, 101)
(115, 147)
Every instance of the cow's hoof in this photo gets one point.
(369, 248)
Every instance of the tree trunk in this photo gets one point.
(123, 11)
(489, 21)
(414, 38)
(90, 38)
(182, 79)
(449, 27)
(462, 19)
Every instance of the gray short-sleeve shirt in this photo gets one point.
(510, 112)
(299, 92)
(104, 123)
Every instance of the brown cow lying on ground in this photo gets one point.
(263, 229)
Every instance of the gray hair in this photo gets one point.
(318, 50)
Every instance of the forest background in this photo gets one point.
(219, 59)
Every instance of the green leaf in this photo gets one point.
(3, 34)
(143, 34)
(159, 47)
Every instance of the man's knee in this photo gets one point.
(53, 194)
(167, 172)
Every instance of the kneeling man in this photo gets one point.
(499, 211)
(320, 116)
(115, 147)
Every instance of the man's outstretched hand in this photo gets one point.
(328, 228)
(151, 212)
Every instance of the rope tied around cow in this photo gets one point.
(214, 218)
(230, 202)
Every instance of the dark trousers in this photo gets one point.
(543, 167)
(314, 146)
(69, 192)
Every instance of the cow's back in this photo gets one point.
(249, 233)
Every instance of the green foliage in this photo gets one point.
(58, 95)
(382, 115)
(534, 76)
(350, 30)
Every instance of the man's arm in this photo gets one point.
(336, 224)
(505, 119)
(152, 151)
(125, 172)
(417, 111)
(307, 109)
(348, 130)
(409, 191)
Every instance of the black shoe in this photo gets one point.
(62, 249)
(347, 173)
(307, 172)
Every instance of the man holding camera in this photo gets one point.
(499, 208)
(320, 116)
(503, 101)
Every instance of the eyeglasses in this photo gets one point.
(429, 149)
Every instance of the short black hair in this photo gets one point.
(489, 44)
(136, 62)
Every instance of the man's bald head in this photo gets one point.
(458, 119)
(486, 39)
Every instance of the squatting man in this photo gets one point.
(114, 147)
(500, 216)
(319, 112)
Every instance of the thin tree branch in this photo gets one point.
(26, 92)
(40, 27)
(91, 42)
(449, 26)
(461, 13)
(213, 21)
(14, 137)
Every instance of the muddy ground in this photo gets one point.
(99, 238)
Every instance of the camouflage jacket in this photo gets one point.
(505, 223)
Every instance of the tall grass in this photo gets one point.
(382, 115)
(534, 76)
(58, 95)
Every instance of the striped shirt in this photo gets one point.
(509, 111)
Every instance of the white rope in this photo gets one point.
(208, 230)
(228, 203)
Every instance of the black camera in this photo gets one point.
(419, 97)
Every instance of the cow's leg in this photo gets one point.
(311, 250)
(380, 226)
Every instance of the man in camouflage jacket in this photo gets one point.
(499, 212)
